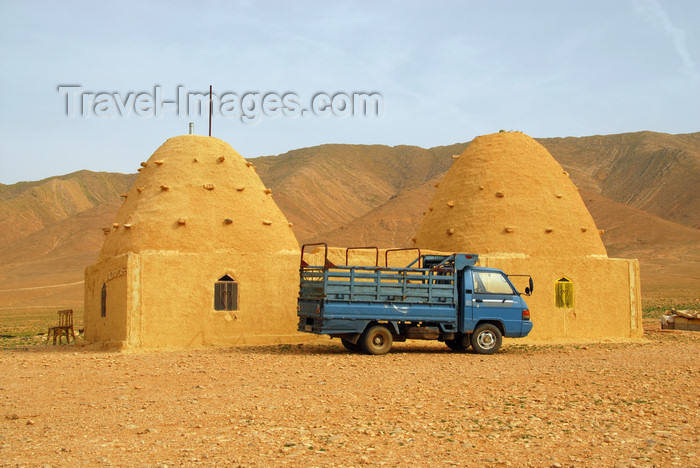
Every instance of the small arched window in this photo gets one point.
(226, 294)
(564, 293)
(103, 302)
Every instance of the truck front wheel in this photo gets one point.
(486, 339)
(376, 340)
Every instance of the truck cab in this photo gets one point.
(489, 296)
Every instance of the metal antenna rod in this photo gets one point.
(210, 109)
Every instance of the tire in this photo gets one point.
(352, 347)
(486, 339)
(457, 344)
(376, 340)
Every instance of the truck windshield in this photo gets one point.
(491, 283)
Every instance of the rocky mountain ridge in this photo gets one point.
(641, 188)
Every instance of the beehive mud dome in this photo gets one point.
(199, 254)
(507, 199)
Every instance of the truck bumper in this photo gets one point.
(310, 325)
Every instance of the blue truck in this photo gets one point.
(436, 297)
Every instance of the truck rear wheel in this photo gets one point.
(458, 344)
(376, 340)
(350, 346)
(486, 339)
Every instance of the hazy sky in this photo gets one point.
(447, 72)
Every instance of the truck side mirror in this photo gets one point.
(527, 291)
(532, 288)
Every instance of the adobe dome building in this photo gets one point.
(507, 199)
(199, 254)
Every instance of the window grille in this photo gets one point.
(564, 294)
(226, 294)
(103, 305)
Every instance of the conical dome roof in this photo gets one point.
(506, 194)
(197, 194)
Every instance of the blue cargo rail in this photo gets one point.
(434, 297)
(366, 284)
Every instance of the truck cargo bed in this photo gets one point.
(377, 284)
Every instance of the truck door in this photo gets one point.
(494, 298)
(466, 285)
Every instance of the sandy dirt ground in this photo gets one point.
(632, 404)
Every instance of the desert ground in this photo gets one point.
(607, 404)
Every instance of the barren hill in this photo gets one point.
(641, 188)
(27, 207)
(330, 186)
(49, 231)
(655, 172)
